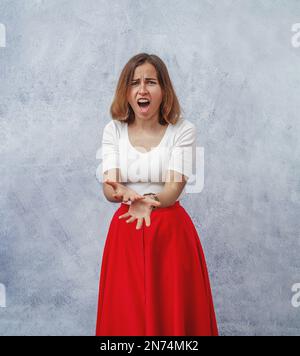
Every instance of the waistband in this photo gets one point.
(175, 205)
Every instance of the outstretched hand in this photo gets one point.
(140, 210)
(123, 192)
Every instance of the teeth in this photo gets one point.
(143, 101)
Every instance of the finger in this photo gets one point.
(148, 220)
(139, 223)
(124, 215)
(125, 198)
(131, 219)
(136, 197)
(117, 195)
(156, 203)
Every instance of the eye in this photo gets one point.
(150, 81)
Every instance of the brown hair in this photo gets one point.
(120, 109)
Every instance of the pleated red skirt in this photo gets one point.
(154, 281)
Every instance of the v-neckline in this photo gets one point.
(153, 148)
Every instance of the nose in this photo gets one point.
(142, 88)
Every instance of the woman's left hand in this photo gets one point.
(140, 210)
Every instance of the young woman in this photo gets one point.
(154, 280)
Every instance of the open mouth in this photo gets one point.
(144, 104)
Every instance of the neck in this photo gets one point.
(150, 123)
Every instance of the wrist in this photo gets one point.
(154, 197)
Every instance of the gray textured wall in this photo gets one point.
(237, 76)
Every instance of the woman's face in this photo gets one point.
(145, 85)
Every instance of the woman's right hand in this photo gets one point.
(123, 192)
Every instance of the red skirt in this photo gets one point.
(154, 281)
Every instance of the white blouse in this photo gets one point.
(145, 172)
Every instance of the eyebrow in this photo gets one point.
(134, 80)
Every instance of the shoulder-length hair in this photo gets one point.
(121, 110)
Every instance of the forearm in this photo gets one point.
(169, 194)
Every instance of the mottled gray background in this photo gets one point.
(237, 76)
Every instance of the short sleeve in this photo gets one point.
(110, 147)
(183, 151)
